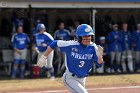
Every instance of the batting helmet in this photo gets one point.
(40, 26)
(84, 30)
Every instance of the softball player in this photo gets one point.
(106, 57)
(114, 39)
(136, 45)
(126, 47)
(80, 56)
(43, 39)
(61, 34)
(19, 41)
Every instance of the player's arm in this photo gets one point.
(100, 59)
(13, 41)
(56, 43)
(42, 61)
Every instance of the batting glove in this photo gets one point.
(99, 50)
(42, 61)
(36, 49)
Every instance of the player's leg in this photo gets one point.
(16, 62)
(130, 61)
(137, 60)
(63, 62)
(100, 69)
(106, 63)
(23, 62)
(59, 59)
(50, 65)
(73, 85)
(15, 69)
(118, 59)
(123, 61)
(43, 68)
(112, 55)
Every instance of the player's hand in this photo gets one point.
(115, 37)
(99, 50)
(100, 60)
(17, 51)
(36, 49)
(44, 45)
(42, 61)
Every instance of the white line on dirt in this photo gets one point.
(106, 88)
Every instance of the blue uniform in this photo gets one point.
(42, 41)
(17, 22)
(105, 47)
(62, 34)
(126, 54)
(43, 38)
(79, 58)
(112, 42)
(136, 40)
(20, 40)
(34, 31)
(126, 40)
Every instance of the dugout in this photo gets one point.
(98, 13)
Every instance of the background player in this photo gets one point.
(61, 34)
(80, 56)
(43, 39)
(114, 40)
(126, 47)
(136, 46)
(19, 41)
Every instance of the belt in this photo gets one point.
(21, 48)
(78, 76)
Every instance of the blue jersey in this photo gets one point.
(79, 58)
(126, 40)
(18, 22)
(62, 34)
(105, 47)
(34, 31)
(136, 40)
(45, 38)
(20, 40)
(114, 44)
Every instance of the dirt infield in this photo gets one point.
(95, 84)
(91, 89)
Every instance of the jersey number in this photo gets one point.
(81, 63)
(22, 42)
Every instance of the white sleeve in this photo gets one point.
(95, 46)
(49, 35)
(62, 43)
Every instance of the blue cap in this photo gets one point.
(84, 30)
(40, 26)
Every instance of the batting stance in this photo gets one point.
(80, 56)
(19, 41)
(43, 39)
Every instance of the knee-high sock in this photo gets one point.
(22, 68)
(15, 67)
(51, 70)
